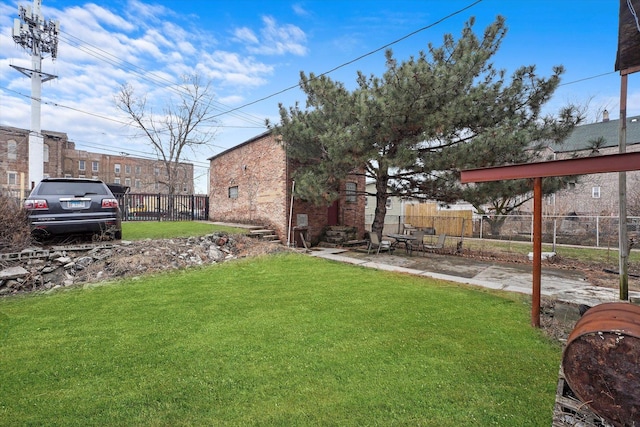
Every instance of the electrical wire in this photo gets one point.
(55, 104)
(157, 80)
(138, 153)
(106, 56)
(359, 57)
(109, 58)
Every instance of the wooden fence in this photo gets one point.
(451, 223)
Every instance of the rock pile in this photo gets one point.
(60, 266)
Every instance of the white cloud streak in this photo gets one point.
(274, 39)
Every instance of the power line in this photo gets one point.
(157, 80)
(103, 55)
(106, 56)
(55, 104)
(142, 155)
(586, 78)
(359, 57)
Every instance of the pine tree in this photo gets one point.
(413, 129)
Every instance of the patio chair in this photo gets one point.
(376, 243)
(439, 245)
(408, 229)
(417, 244)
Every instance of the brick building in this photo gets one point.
(61, 159)
(251, 183)
(595, 194)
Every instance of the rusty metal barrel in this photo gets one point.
(601, 362)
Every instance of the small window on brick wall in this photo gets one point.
(12, 150)
(12, 178)
(595, 192)
(351, 189)
(233, 192)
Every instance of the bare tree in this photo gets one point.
(178, 127)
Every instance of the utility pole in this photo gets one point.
(623, 243)
(39, 37)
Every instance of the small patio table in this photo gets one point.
(404, 239)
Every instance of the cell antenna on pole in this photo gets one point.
(40, 37)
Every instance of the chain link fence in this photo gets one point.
(599, 231)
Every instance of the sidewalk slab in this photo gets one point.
(564, 286)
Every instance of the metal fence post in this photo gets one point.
(158, 207)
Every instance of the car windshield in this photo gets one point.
(67, 188)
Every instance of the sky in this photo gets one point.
(252, 53)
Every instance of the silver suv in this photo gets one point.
(60, 206)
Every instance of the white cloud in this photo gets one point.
(7, 14)
(91, 16)
(232, 100)
(233, 68)
(274, 39)
(299, 10)
(149, 12)
(245, 34)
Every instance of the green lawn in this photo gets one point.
(136, 230)
(278, 340)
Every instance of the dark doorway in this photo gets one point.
(332, 213)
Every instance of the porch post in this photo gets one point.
(537, 252)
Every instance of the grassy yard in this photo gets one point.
(136, 230)
(278, 340)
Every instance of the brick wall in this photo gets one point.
(350, 213)
(142, 175)
(248, 184)
(251, 184)
(580, 198)
(14, 161)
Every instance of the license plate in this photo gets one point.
(75, 204)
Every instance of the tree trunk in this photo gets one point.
(381, 207)
(496, 224)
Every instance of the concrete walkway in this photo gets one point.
(567, 286)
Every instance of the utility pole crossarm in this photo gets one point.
(44, 77)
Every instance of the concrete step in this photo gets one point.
(261, 231)
(265, 234)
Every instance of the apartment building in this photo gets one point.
(595, 194)
(62, 159)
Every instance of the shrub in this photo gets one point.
(14, 227)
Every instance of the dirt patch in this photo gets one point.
(46, 267)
